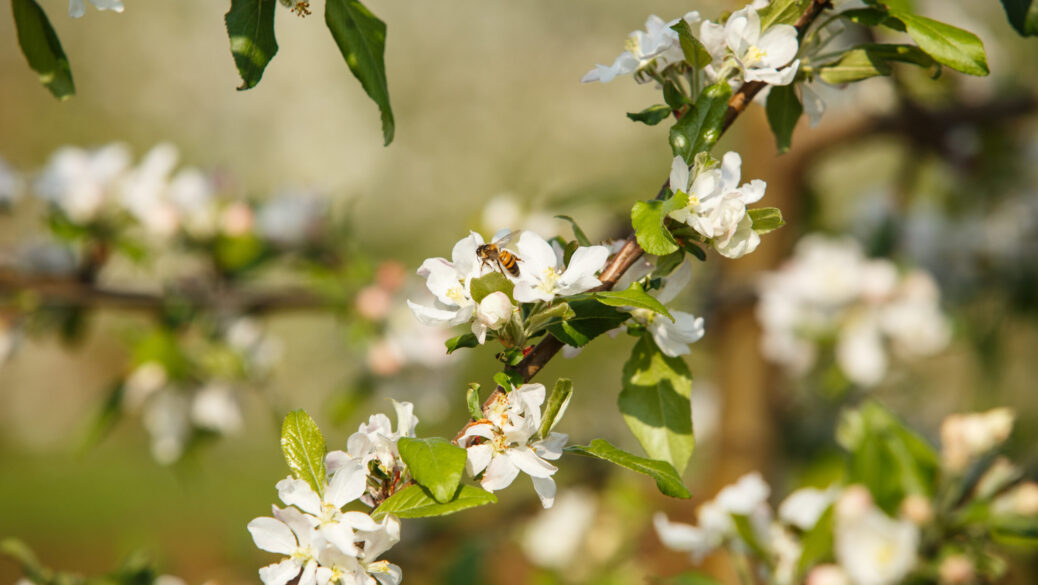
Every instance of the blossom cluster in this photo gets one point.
(740, 50)
(829, 289)
(869, 546)
(506, 441)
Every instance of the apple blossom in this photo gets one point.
(502, 444)
(77, 8)
(658, 44)
(965, 437)
(543, 275)
(80, 182)
(672, 337)
(449, 281)
(553, 538)
(10, 185)
(762, 55)
(805, 506)
(291, 218)
(873, 548)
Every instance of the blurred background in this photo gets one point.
(495, 130)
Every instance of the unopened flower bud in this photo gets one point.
(956, 570)
(827, 575)
(854, 502)
(373, 302)
(384, 359)
(966, 436)
(917, 509)
(236, 220)
(390, 275)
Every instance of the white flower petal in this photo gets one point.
(279, 573)
(347, 484)
(478, 458)
(298, 493)
(545, 488)
(525, 459)
(339, 535)
(499, 474)
(272, 535)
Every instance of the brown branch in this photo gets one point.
(69, 290)
(544, 351)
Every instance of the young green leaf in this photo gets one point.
(647, 219)
(748, 535)
(472, 401)
(784, 110)
(673, 96)
(578, 233)
(491, 282)
(590, 319)
(651, 115)
(667, 479)
(42, 49)
(508, 380)
(656, 403)
(873, 60)
(696, 54)
(250, 26)
(699, 129)
(781, 12)
(415, 502)
(1023, 15)
(666, 264)
(464, 340)
(817, 543)
(556, 407)
(766, 219)
(435, 464)
(633, 296)
(361, 38)
(959, 49)
(304, 449)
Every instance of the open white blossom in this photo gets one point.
(805, 506)
(658, 44)
(448, 281)
(762, 57)
(82, 183)
(873, 548)
(553, 538)
(375, 445)
(964, 437)
(291, 218)
(830, 290)
(77, 8)
(672, 337)
(10, 185)
(544, 276)
(717, 204)
(502, 444)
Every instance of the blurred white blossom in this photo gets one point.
(553, 538)
(77, 8)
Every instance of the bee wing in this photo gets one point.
(503, 237)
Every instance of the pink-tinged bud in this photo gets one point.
(917, 509)
(967, 436)
(956, 570)
(855, 502)
(390, 275)
(384, 359)
(236, 220)
(1020, 501)
(373, 303)
(827, 575)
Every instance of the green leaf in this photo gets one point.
(304, 449)
(1023, 15)
(110, 412)
(696, 54)
(873, 60)
(472, 401)
(634, 296)
(700, 128)
(666, 264)
(959, 49)
(869, 16)
(578, 233)
(650, 116)
(766, 219)
(42, 49)
(414, 501)
(667, 479)
(748, 535)
(590, 319)
(361, 37)
(817, 544)
(656, 403)
(491, 282)
(689, 578)
(784, 110)
(250, 26)
(781, 12)
(464, 340)
(508, 380)
(647, 219)
(435, 464)
(674, 96)
(556, 407)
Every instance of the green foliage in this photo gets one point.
(633, 296)
(817, 543)
(250, 27)
(304, 449)
(508, 380)
(696, 54)
(784, 110)
(700, 128)
(667, 479)
(556, 407)
(42, 49)
(414, 501)
(137, 569)
(766, 219)
(667, 264)
(435, 464)
(886, 456)
(361, 37)
(489, 283)
(473, 403)
(650, 116)
(1023, 15)
(647, 218)
(689, 578)
(865, 61)
(656, 403)
(748, 535)
(959, 49)
(578, 233)
(590, 319)
(781, 12)
(461, 341)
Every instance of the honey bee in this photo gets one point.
(495, 254)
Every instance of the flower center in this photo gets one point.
(754, 55)
(548, 279)
(456, 294)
